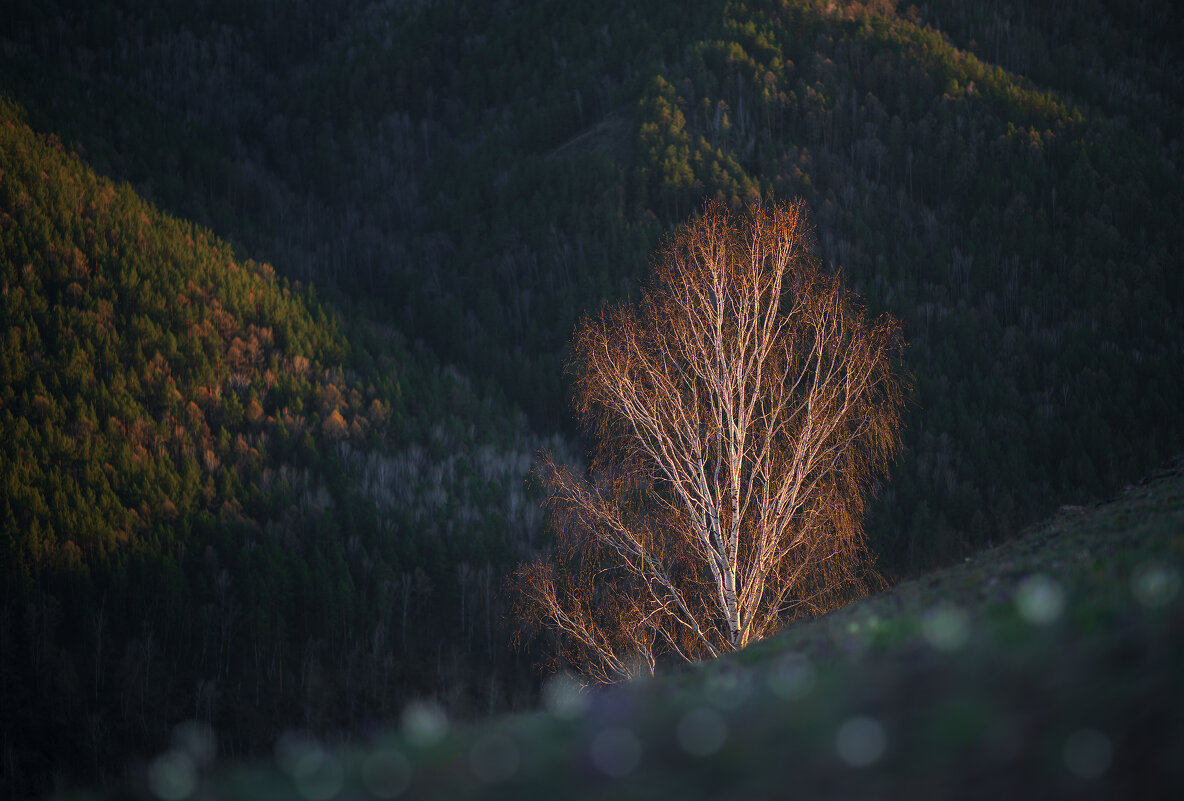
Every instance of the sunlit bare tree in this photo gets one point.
(740, 411)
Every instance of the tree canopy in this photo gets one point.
(740, 411)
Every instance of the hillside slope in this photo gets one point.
(1004, 177)
(335, 509)
(217, 498)
(1050, 667)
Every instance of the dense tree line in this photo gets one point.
(220, 502)
(1004, 177)
(1026, 240)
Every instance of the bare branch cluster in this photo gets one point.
(741, 411)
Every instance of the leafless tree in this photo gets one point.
(740, 411)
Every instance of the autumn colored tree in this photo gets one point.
(740, 411)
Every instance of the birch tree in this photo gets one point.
(741, 411)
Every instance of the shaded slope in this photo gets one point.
(1002, 176)
(215, 503)
(1028, 243)
(1046, 668)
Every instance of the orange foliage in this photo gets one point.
(741, 411)
(329, 398)
(254, 412)
(334, 426)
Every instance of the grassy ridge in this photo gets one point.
(1047, 667)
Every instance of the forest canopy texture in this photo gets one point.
(739, 412)
(217, 500)
(225, 496)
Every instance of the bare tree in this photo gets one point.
(740, 411)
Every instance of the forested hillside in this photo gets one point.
(1027, 239)
(1045, 668)
(465, 179)
(216, 504)
(1002, 176)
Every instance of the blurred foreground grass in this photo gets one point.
(1052, 666)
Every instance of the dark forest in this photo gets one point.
(287, 290)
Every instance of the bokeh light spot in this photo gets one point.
(1039, 600)
(861, 741)
(946, 627)
(424, 723)
(172, 776)
(1155, 585)
(564, 697)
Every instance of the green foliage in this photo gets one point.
(1004, 177)
(205, 482)
(1008, 226)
